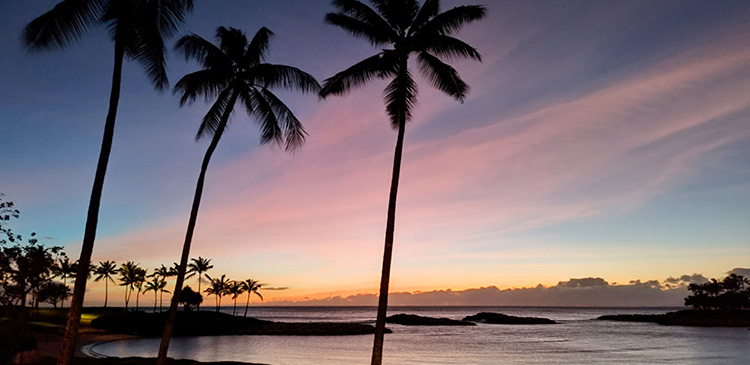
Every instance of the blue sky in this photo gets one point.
(600, 139)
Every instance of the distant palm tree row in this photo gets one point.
(233, 70)
(136, 279)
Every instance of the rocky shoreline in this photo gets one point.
(692, 318)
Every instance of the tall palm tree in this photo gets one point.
(251, 286)
(235, 288)
(218, 287)
(198, 266)
(234, 71)
(138, 29)
(401, 29)
(105, 271)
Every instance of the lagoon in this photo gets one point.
(577, 339)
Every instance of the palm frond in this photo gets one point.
(232, 42)
(67, 22)
(212, 120)
(151, 51)
(452, 20)
(206, 53)
(360, 73)
(398, 13)
(447, 47)
(374, 34)
(287, 77)
(294, 132)
(206, 83)
(400, 97)
(172, 14)
(256, 50)
(363, 21)
(263, 113)
(429, 9)
(442, 76)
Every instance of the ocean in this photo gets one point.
(577, 339)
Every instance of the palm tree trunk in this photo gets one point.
(169, 325)
(155, 298)
(76, 303)
(106, 292)
(377, 348)
(247, 304)
(198, 306)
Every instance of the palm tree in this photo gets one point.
(235, 288)
(251, 286)
(198, 266)
(138, 29)
(218, 288)
(64, 269)
(105, 271)
(156, 285)
(140, 279)
(130, 275)
(234, 71)
(408, 29)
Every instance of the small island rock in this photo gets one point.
(415, 320)
(499, 318)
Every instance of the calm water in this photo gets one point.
(578, 339)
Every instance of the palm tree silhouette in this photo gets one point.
(105, 271)
(218, 287)
(251, 286)
(64, 269)
(138, 29)
(198, 266)
(234, 70)
(235, 288)
(156, 285)
(140, 279)
(409, 30)
(130, 276)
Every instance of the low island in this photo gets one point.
(499, 318)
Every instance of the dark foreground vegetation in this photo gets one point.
(716, 303)
(220, 324)
(499, 318)
(695, 318)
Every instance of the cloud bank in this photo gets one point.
(589, 291)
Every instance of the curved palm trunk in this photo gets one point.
(169, 325)
(377, 348)
(155, 299)
(76, 303)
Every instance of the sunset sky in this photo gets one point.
(599, 139)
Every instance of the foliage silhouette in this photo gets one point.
(138, 29)
(105, 271)
(198, 266)
(190, 299)
(234, 70)
(408, 29)
(732, 292)
(235, 289)
(251, 287)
